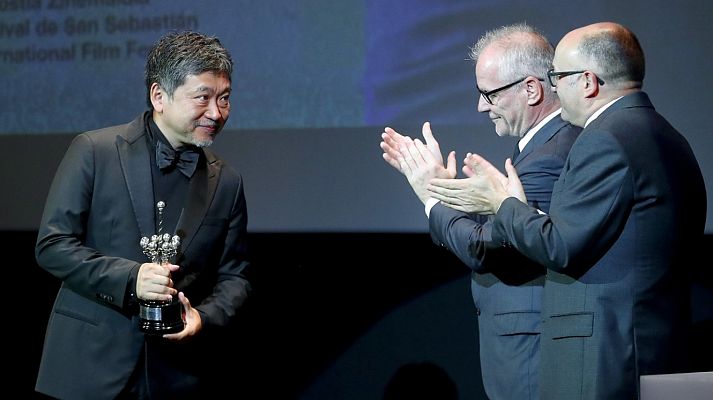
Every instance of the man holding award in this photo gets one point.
(146, 229)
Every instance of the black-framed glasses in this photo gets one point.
(554, 76)
(486, 95)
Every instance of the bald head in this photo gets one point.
(608, 49)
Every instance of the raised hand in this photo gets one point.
(484, 189)
(417, 161)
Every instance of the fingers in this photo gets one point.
(391, 155)
(153, 281)
(481, 166)
(510, 169)
(472, 162)
(398, 150)
(389, 144)
(191, 319)
(451, 164)
(392, 133)
(407, 155)
(512, 182)
(445, 191)
(184, 301)
(155, 291)
(428, 137)
(411, 156)
(424, 153)
(390, 140)
(444, 185)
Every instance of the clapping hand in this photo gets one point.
(417, 161)
(483, 191)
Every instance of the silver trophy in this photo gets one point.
(160, 316)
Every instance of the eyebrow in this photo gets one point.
(201, 89)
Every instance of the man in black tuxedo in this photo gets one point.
(511, 65)
(627, 212)
(102, 201)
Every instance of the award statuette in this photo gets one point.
(160, 316)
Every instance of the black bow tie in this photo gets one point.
(185, 160)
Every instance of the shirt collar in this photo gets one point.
(531, 133)
(600, 111)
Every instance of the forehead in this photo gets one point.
(566, 52)
(488, 64)
(206, 81)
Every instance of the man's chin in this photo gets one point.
(501, 131)
(201, 142)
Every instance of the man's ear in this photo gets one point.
(535, 91)
(591, 84)
(157, 96)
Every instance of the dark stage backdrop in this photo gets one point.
(315, 83)
(333, 316)
(349, 287)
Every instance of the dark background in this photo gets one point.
(333, 316)
(348, 286)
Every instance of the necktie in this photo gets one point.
(185, 160)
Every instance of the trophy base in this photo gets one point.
(160, 317)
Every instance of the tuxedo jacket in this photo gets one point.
(627, 210)
(99, 205)
(506, 286)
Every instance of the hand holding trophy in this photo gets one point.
(159, 317)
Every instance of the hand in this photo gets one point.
(390, 145)
(192, 319)
(153, 281)
(483, 191)
(418, 162)
(511, 183)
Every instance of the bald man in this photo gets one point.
(626, 212)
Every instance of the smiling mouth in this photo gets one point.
(211, 128)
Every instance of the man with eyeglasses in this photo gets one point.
(510, 67)
(626, 213)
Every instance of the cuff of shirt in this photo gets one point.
(429, 205)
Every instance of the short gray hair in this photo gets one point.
(532, 56)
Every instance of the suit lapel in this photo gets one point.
(541, 137)
(200, 192)
(134, 159)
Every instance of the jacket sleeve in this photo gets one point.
(232, 287)
(62, 246)
(590, 203)
(464, 235)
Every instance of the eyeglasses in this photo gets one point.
(554, 76)
(486, 94)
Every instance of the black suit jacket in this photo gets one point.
(628, 209)
(99, 205)
(506, 286)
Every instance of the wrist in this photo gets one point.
(499, 202)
